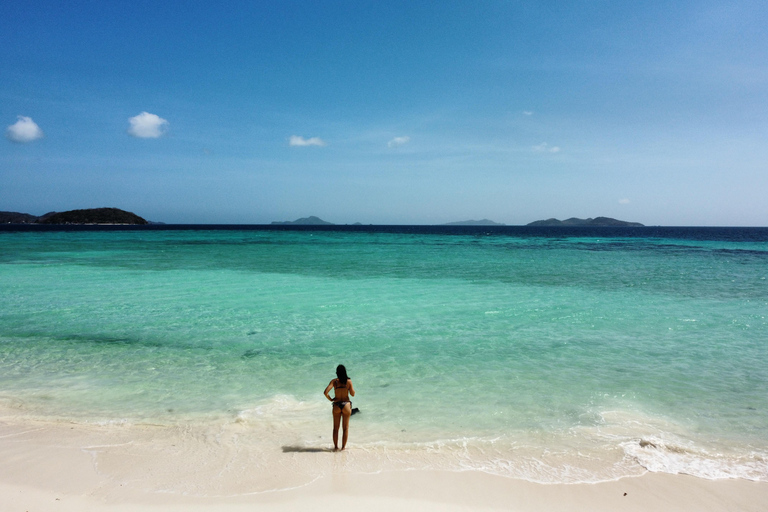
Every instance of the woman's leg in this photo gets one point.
(345, 413)
(336, 421)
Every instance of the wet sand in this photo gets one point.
(69, 467)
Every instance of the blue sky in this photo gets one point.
(387, 112)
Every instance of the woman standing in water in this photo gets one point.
(342, 406)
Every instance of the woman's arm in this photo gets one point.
(330, 387)
(351, 388)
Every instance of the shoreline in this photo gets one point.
(291, 435)
(101, 468)
(416, 490)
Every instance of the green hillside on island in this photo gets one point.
(17, 218)
(86, 216)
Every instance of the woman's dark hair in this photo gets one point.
(341, 373)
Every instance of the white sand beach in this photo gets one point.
(74, 467)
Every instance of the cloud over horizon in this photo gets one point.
(297, 140)
(398, 141)
(147, 126)
(24, 130)
(546, 148)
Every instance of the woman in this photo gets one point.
(342, 407)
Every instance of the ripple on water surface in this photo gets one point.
(499, 353)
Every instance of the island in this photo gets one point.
(104, 216)
(596, 222)
(305, 221)
(483, 222)
(17, 218)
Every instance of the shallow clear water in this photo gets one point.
(529, 356)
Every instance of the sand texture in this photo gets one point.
(75, 467)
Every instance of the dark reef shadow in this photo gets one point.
(305, 449)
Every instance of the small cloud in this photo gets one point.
(546, 148)
(624, 201)
(147, 126)
(296, 140)
(398, 141)
(527, 112)
(24, 130)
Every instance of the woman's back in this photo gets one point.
(341, 391)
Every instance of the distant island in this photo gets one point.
(87, 216)
(115, 216)
(597, 221)
(305, 221)
(17, 218)
(483, 222)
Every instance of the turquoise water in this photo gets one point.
(492, 351)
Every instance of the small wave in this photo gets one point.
(281, 410)
(679, 457)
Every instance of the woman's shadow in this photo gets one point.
(305, 449)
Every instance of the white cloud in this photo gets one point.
(24, 130)
(527, 112)
(147, 126)
(398, 141)
(624, 201)
(296, 140)
(546, 148)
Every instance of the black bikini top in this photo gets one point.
(339, 385)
